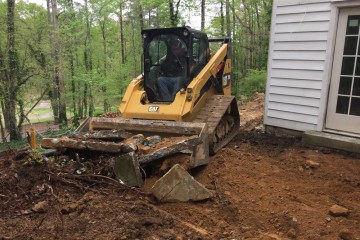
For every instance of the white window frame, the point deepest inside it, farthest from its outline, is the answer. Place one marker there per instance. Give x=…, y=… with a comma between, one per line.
x=336, y=5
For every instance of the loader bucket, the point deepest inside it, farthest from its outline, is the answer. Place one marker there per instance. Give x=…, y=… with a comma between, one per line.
x=200, y=154
x=127, y=138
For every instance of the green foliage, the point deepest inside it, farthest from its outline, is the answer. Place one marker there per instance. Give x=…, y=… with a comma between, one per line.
x=34, y=158
x=94, y=69
x=253, y=82
x=13, y=145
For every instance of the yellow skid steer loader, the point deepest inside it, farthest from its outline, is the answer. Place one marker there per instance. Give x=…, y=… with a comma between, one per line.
x=184, y=92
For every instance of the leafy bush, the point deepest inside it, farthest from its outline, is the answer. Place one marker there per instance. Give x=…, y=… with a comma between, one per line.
x=254, y=81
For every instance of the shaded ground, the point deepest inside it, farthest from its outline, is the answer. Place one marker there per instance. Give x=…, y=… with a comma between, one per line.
x=263, y=188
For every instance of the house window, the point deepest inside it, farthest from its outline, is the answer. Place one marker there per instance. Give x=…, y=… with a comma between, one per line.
x=348, y=101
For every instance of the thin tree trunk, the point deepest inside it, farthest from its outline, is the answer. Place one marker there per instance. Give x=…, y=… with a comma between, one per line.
x=141, y=17
x=10, y=94
x=222, y=20
x=72, y=64
x=54, y=96
x=91, y=105
x=133, y=48
x=3, y=87
x=104, y=87
x=2, y=128
x=3, y=137
x=259, y=38
x=87, y=95
x=203, y=14
x=73, y=84
x=174, y=12
x=157, y=18
x=84, y=108
x=122, y=43
x=251, y=44
x=59, y=78
x=228, y=22
x=235, y=56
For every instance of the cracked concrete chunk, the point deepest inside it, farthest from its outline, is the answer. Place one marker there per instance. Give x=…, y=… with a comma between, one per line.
x=177, y=185
x=127, y=169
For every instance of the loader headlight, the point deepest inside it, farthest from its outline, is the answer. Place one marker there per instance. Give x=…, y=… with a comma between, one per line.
x=144, y=35
x=186, y=33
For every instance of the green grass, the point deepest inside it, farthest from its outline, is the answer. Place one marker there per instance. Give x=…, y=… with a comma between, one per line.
x=14, y=145
x=40, y=111
x=40, y=115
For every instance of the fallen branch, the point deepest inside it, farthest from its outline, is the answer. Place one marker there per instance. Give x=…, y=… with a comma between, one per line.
x=110, y=147
x=112, y=182
x=60, y=179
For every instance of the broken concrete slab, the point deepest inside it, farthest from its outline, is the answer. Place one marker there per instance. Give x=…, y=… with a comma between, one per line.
x=127, y=169
x=102, y=134
x=177, y=185
x=186, y=144
x=332, y=140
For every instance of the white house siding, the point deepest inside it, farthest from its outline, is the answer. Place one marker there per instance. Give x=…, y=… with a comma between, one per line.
x=297, y=60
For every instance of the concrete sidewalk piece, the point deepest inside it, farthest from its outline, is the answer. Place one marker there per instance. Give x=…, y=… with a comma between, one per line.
x=177, y=185
x=330, y=140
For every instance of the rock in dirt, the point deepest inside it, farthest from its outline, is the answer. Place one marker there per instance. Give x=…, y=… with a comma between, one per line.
x=339, y=211
x=69, y=208
x=312, y=164
x=346, y=235
x=151, y=221
x=41, y=207
x=270, y=236
x=72, y=207
x=25, y=212
x=291, y=233
x=178, y=185
x=5, y=238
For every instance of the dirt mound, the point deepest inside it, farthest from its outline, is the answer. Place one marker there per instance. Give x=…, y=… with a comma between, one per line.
x=265, y=187
x=251, y=113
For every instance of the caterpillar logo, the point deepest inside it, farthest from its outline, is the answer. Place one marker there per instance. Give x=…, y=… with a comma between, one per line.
x=153, y=109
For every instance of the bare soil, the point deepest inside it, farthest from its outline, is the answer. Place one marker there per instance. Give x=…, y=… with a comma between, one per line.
x=264, y=188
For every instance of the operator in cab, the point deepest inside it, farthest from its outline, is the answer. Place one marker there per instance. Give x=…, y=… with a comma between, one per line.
x=173, y=70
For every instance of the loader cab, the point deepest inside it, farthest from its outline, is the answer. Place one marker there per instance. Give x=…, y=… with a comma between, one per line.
x=172, y=58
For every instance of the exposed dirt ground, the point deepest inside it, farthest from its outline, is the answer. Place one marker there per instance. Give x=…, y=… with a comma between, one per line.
x=265, y=187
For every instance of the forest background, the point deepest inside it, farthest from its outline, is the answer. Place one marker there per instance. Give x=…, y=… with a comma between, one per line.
x=81, y=55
